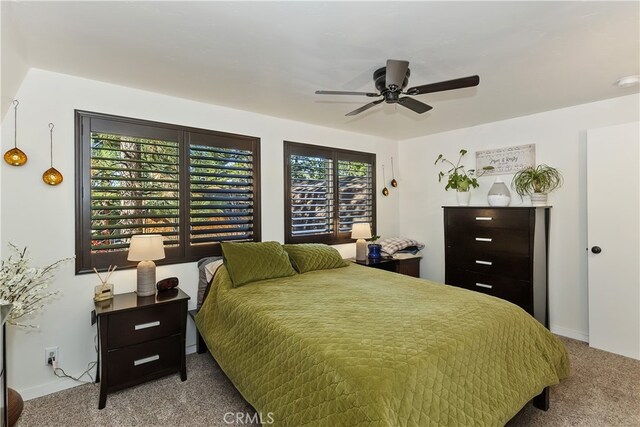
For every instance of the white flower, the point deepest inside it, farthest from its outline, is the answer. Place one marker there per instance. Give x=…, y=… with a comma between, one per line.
x=24, y=286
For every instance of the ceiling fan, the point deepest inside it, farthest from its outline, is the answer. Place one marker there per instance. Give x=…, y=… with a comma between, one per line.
x=392, y=79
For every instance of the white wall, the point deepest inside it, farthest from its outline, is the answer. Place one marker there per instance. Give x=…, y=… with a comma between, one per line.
x=560, y=138
x=12, y=71
x=43, y=218
x=13, y=66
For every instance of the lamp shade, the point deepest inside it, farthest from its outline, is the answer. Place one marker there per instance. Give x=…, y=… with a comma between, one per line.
x=146, y=247
x=361, y=230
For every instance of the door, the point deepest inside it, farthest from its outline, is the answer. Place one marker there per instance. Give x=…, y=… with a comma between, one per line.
x=613, y=217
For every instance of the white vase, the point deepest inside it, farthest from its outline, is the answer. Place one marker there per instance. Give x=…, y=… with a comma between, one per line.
x=463, y=197
x=538, y=199
x=499, y=194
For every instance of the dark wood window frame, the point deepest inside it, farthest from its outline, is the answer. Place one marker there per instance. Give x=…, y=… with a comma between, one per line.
x=87, y=122
x=336, y=155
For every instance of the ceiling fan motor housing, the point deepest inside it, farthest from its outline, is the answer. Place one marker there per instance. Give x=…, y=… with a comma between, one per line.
x=379, y=77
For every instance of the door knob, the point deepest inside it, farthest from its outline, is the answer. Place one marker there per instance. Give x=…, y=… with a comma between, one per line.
x=596, y=249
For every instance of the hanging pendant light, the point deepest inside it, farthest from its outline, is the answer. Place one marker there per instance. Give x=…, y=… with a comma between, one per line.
x=394, y=183
x=52, y=176
x=385, y=190
x=15, y=156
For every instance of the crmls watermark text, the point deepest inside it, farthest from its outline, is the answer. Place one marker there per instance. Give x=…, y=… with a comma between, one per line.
x=247, y=418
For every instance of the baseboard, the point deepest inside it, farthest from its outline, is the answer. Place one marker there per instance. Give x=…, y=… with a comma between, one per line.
x=66, y=383
x=570, y=333
x=44, y=389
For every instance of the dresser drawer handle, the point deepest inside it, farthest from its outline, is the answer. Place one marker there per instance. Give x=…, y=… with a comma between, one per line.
x=147, y=325
x=483, y=218
x=484, y=262
x=146, y=360
x=482, y=285
x=483, y=239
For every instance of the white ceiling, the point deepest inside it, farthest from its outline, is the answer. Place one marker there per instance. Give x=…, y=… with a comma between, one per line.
x=270, y=57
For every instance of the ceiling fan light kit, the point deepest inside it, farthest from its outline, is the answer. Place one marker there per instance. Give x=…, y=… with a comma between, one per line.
x=390, y=81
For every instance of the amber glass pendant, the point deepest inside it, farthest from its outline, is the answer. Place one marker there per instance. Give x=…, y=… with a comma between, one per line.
x=385, y=190
x=15, y=156
x=52, y=176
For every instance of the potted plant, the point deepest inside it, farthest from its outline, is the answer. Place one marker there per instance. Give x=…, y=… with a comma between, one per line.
x=537, y=182
x=460, y=179
x=374, y=248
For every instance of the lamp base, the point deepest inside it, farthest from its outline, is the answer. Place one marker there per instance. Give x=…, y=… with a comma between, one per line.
x=146, y=278
x=361, y=250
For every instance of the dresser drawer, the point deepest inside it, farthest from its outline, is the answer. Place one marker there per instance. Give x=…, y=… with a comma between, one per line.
x=504, y=264
x=516, y=291
x=479, y=218
x=136, y=363
x=136, y=326
x=488, y=241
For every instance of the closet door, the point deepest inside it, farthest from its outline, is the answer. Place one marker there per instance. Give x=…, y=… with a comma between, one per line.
x=613, y=212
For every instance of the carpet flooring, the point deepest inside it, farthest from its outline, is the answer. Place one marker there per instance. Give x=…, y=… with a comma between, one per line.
x=603, y=390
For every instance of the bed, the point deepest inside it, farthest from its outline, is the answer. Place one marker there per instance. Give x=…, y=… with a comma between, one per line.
x=358, y=346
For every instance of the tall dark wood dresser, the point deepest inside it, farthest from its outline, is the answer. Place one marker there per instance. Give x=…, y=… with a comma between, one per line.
x=501, y=252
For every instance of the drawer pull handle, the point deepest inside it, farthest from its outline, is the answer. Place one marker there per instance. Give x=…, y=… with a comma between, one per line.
x=147, y=325
x=483, y=218
x=483, y=239
x=146, y=360
x=484, y=262
x=482, y=285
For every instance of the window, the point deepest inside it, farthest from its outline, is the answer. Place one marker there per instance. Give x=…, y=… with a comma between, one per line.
x=326, y=191
x=195, y=187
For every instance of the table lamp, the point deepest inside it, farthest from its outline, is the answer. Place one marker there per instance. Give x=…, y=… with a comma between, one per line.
x=146, y=248
x=361, y=231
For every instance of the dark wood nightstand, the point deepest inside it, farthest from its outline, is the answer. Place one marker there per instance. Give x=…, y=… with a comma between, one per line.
x=140, y=339
x=406, y=266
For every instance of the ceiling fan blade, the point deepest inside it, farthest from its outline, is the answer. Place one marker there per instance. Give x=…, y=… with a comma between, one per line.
x=415, y=105
x=340, y=92
x=364, y=107
x=395, y=73
x=446, y=85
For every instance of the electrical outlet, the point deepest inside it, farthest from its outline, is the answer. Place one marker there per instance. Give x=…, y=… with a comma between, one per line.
x=51, y=353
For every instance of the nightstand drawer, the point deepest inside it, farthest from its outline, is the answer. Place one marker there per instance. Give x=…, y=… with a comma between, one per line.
x=133, y=364
x=479, y=218
x=516, y=291
x=137, y=326
x=504, y=264
x=489, y=240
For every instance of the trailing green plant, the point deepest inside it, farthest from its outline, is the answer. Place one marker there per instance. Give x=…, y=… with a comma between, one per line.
x=458, y=178
x=374, y=239
x=539, y=179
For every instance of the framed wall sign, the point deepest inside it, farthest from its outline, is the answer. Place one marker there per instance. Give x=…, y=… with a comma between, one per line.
x=507, y=160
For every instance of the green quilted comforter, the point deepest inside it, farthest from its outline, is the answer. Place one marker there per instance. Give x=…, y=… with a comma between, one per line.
x=359, y=346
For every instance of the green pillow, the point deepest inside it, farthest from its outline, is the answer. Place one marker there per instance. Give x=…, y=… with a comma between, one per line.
x=249, y=262
x=314, y=256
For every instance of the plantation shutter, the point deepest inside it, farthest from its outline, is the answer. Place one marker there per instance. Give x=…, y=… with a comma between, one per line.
x=311, y=190
x=355, y=198
x=196, y=188
x=134, y=190
x=222, y=192
x=326, y=191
